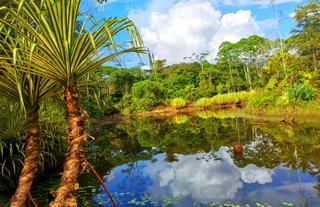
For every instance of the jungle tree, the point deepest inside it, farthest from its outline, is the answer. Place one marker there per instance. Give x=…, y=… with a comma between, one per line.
x=29, y=90
x=307, y=33
x=67, y=56
x=246, y=57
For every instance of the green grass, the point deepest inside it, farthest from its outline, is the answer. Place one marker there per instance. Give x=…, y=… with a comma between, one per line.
x=230, y=98
x=221, y=99
x=204, y=102
x=178, y=103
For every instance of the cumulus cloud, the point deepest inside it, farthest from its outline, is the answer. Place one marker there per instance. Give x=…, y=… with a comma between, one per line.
x=204, y=181
x=302, y=194
x=174, y=30
x=220, y=181
x=254, y=174
x=255, y=2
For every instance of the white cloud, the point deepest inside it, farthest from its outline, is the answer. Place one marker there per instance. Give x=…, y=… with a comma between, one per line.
x=301, y=194
x=216, y=181
x=254, y=174
x=235, y=26
x=174, y=30
x=255, y=2
x=204, y=181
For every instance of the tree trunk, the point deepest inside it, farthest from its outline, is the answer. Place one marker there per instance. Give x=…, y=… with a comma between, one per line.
x=315, y=61
x=76, y=138
x=30, y=166
x=249, y=76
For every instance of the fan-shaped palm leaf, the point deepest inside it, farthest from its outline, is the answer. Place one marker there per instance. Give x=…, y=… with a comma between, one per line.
x=65, y=57
x=29, y=90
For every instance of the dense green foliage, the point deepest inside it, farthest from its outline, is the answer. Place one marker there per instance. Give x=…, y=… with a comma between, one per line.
x=302, y=92
x=143, y=138
x=283, y=72
x=178, y=102
x=262, y=73
x=12, y=140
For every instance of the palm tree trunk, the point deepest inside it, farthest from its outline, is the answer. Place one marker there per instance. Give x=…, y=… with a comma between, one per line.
x=76, y=139
x=30, y=166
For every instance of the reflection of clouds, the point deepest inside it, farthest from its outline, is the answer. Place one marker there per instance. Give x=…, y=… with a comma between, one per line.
x=253, y=174
x=301, y=194
x=296, y=187
x=204, y=181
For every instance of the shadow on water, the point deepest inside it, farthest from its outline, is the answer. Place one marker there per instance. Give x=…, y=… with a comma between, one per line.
x=190, y=161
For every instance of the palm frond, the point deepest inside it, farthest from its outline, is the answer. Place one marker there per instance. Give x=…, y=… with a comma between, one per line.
x=16, y=85
x=61, y=54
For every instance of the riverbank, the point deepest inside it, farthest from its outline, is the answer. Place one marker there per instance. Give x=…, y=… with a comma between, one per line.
x=290, y=114
x=307, y=109
x=286, y=112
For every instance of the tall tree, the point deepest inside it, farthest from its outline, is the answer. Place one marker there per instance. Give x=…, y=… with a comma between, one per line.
x=246, y=56
x=66, y=57
x=307, y=33
x=29, y=90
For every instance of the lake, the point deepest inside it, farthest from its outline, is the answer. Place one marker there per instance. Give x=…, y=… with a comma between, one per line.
x=188, y=160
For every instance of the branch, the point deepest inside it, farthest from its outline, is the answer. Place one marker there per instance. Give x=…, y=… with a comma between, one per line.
x=101, y=182
x=33, y=201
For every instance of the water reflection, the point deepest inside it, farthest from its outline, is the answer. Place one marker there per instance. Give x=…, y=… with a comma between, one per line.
x=169, y=162
x=204, y=181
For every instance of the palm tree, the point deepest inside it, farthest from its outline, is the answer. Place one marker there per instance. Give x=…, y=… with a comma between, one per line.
x=67, y=56
x=29, y=90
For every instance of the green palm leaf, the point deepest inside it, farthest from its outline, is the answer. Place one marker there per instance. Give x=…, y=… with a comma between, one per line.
x=64, y=55
x=55, y=51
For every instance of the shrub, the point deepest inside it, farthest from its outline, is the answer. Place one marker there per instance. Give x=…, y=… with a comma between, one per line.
x=204, y=102
x=219, y=114
x=283, y=100
x=232, y=97
x=224, y=114
x=181, y=119
x=262, y=99
x=272, y=83
x=12, y=139
x=228, y=98
x=188, y=93
x=302, y=92
x=178, y=103
x=146, y=87
x=144, y=95
x=93, y=108
x=205, y=114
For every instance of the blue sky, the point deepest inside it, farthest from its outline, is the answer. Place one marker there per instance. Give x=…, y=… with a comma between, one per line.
x=174, y=29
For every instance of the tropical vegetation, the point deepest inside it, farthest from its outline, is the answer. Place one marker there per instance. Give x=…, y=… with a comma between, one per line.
x=46, y=46
x=259, y=73
x=53, y=62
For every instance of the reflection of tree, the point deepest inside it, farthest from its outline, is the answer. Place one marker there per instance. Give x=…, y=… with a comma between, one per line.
x=171, y=157
x=260, y=152
x=193, y=136
x=113, y=147
x=264, y=146
x=298, y=147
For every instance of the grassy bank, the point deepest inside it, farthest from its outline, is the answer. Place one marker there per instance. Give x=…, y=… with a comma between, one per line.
x=256, y=103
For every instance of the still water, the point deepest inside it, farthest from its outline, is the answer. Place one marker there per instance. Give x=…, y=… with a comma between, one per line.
x=187, y=161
